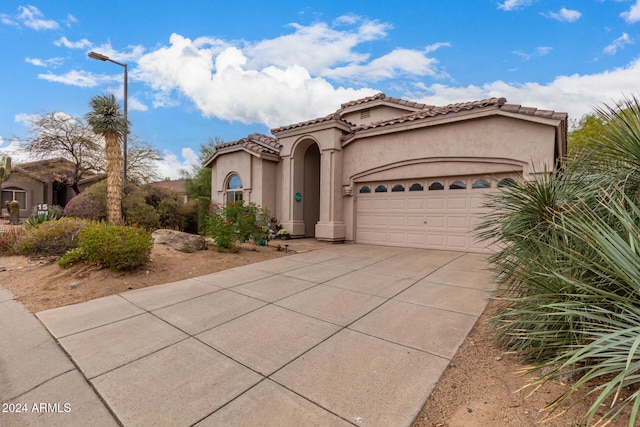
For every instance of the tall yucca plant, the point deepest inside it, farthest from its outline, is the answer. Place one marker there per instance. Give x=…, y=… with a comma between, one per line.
x=605, y=307
x=569, y=266
x=107, y=120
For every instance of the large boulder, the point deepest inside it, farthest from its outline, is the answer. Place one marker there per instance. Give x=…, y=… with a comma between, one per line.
x=183, y=242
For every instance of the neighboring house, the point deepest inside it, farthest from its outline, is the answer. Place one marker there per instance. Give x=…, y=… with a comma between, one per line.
x=176, y=185
x=42, y=182
x=388, y=171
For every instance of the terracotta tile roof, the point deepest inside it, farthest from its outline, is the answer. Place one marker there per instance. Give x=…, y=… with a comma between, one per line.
x=382, y=97
x=256, y=143
x=337, y=116
x=548, y=114
x=330, y=117
x=496, y=103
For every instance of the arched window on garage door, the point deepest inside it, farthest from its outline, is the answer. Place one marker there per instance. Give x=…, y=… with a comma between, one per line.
x=416, y=187
x=365, y=189
x=436, y=186
x=507, y=182
x=381, y=189
x=397, y=187
x=481, y=183
x=457, y=185
x=234, y=189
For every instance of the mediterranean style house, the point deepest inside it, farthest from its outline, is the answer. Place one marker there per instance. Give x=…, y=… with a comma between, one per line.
x=387, y=171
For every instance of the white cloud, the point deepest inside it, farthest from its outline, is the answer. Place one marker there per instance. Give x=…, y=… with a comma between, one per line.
x=633, y=14
x=80, y=44
x=539, y=51
x=225, y=87
x=25, y=119
x=32, y=18
x=514, y=4
x=171, y=165
x=317, y=47
x=393, y=64
x=132, y=54
x=281, y=80
x=575, y=94
x=79, y=78
x=134, y=104
x=565, y=15
x=618, y=43
x=7, y=20
x=70, y=20
x=51, y=62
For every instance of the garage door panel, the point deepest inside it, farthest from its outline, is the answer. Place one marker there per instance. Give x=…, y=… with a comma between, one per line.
x=457, y=203
x=436, y=203
x=415, y=220
x=365, y=219
x=434, y=219
x=397, y=221
x=397, y=238
x=381, y=203
x=457, y=242
x=435, y=240
x=414, y=203
x=415, y=239
x=457, y=222
x=381, y=220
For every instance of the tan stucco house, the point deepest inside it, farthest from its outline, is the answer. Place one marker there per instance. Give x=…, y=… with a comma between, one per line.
x=43, y=182
x=388, y=171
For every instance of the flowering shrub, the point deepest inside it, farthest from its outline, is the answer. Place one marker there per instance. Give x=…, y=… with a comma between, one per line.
x=235, y=223
x=86, y=207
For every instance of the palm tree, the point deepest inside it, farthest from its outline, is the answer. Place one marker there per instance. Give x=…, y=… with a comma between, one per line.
x=106, y=119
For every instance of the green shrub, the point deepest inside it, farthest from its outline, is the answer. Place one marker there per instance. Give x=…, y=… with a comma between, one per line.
x=74, y=256
x=116, y=247
x=51, y=237
x=203, y=207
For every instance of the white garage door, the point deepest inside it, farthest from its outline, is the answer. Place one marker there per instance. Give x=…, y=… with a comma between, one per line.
x=430, y=213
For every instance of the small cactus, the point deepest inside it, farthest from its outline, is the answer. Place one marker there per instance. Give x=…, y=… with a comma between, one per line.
x=5, y=169
x=14, y=212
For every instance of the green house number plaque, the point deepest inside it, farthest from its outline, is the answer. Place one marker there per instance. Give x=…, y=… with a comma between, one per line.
x=298, y=197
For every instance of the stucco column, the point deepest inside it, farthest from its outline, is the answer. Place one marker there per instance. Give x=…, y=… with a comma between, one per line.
x=287, y=206
x=331, y=225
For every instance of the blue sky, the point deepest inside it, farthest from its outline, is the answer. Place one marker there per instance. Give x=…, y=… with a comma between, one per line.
x=201, y=69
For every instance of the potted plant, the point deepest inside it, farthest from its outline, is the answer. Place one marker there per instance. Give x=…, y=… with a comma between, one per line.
x=283, y=234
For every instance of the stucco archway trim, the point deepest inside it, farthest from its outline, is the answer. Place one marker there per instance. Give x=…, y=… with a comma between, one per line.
x=439, y=166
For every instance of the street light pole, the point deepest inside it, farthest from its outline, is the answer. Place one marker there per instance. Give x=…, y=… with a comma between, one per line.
x=101, y=57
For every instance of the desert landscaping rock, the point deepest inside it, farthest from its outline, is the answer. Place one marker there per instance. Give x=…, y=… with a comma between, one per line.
x=180, y=241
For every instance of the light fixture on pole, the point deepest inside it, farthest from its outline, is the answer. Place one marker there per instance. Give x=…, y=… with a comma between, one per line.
x=101, y=57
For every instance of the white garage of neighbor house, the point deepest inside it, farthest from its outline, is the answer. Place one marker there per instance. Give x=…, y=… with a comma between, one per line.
x=388, y=171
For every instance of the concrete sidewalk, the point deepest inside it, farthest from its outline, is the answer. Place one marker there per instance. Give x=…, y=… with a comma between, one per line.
x=344, y=335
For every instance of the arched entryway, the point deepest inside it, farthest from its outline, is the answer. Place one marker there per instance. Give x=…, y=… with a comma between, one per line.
x=311, y=190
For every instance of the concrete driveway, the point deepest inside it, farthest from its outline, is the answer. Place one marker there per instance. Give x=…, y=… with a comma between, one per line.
x=345, y=335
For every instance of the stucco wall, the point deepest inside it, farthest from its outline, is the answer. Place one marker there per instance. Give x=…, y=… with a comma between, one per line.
x=499, y=139
x=35, y=191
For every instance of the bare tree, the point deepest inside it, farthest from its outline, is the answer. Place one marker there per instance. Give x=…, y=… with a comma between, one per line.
x=61, y=135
